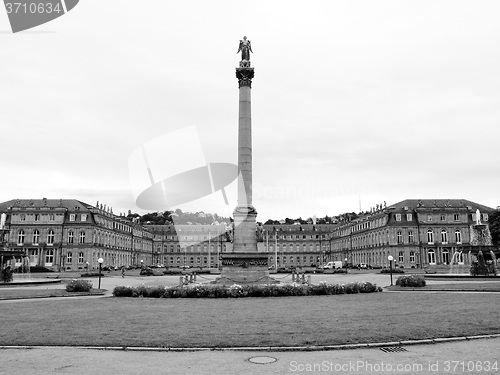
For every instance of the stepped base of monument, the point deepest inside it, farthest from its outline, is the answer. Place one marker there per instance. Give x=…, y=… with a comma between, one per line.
x=245, y=269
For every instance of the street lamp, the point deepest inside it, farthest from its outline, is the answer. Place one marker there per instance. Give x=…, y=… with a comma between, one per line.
x=346, y=266
x=100, y=261
x=87, y=263
x=390, y=258
x=142, y=264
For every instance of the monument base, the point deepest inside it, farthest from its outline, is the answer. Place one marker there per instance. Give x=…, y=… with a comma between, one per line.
x=245, y=269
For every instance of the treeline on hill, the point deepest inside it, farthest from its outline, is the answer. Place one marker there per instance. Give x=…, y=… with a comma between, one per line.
x=177, y=217
x=321, y=220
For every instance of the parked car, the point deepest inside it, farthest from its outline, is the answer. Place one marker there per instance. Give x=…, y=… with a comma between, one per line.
x=333, y=265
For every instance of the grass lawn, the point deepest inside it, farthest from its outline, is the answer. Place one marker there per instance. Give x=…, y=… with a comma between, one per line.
x=477, y=287
x=287, y=321
x=20, y=293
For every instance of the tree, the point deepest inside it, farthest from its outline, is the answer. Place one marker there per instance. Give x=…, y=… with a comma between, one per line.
x=494, y=224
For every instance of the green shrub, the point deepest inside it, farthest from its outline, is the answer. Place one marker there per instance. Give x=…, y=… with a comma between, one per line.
x=7, y=275
x=394, y=270
x=123, y=291
x=411, y=281
x=240, y=291
x=78, y=286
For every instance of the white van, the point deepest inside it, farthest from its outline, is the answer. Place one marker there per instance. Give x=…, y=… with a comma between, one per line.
x=333, y=265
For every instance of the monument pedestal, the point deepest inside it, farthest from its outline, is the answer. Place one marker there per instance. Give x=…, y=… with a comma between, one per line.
x=245, y=268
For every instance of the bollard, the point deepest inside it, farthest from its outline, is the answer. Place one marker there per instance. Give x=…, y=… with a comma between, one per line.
x=309, y=280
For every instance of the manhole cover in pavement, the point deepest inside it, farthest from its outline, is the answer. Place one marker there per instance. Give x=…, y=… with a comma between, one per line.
x=262, y=360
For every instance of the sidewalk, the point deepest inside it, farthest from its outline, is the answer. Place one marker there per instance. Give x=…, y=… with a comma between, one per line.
x=479, y=356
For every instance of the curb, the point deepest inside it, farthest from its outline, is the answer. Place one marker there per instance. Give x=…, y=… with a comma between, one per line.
x=39, y=297
x=438, y=340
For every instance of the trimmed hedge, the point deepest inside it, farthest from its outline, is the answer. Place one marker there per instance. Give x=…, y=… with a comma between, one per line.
x=411, y=281
x=78, y=286
x=394, y=270
x=238, y=291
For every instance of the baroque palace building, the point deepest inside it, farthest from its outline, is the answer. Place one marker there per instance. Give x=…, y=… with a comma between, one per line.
x=418, y=233
x=67, y=234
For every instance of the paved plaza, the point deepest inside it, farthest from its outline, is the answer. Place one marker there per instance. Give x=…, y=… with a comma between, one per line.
x=458, y=356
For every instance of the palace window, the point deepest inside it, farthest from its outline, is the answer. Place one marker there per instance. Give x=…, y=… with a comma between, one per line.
x=409, y=217
x=446, y=257
x=459, y=257
x=485, y=217
x=23, y=217
x=37, y=217
x=430, y=236
x=36, y=237
x=429, y=217
x=82, y=237
x=443, y=217
x=456, y=217
x=398, y=217
x=69, y=258
x=291, y=259
x=401, y=257
x=80, y=257
x=20, y=237
x=444, y=236
x=72, y=217
x=458, y=236
x=284, y=259
x=71, y=237
x=412, y=257
x=431, y=257
x=49, y=257
x=84, y=217
x=411, y=237
x=400, y=237
x=50, y=238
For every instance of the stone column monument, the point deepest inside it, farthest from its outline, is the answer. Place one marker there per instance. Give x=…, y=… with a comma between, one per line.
x=244, y=265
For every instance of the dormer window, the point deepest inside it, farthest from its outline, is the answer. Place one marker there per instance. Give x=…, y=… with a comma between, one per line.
x=72, y=217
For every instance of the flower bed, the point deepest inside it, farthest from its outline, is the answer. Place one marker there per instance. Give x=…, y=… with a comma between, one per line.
x=238, y=291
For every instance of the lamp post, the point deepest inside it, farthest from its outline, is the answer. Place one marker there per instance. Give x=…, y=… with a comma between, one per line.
x=346, y=268
x=390, y=258
x=100, y=260
x=87, y=263
x=142, y=264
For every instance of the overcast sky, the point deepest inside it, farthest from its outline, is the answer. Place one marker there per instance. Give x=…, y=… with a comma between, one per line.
x=353, y=102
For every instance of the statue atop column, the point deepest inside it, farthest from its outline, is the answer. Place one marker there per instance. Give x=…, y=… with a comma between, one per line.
x=478, y=217
x=245, y=47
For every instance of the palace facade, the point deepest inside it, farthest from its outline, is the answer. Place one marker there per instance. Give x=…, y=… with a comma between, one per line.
x=67, y=234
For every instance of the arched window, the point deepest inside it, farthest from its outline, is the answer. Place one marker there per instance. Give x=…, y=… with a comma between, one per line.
x=431, y=257
x=458, y=236
x=400, y=237
x=82, y=237
x=444, y=236
x=430, y=236
x=20, y=237
x=69, y=257
x=71, y=237
x=36, y=237
x=80, y=257
x=446, y=257
x=50, y=238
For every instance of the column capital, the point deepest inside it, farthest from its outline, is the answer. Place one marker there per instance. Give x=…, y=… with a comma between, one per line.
x=245, y=76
